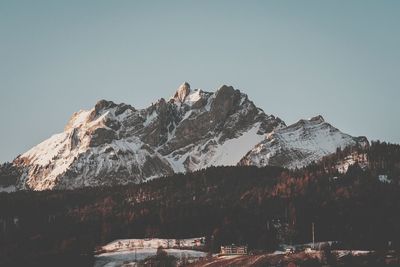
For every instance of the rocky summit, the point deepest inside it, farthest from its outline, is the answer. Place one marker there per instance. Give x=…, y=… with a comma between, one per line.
x=118, y=144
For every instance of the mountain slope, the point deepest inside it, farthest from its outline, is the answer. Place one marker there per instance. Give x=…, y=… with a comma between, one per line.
x=96, y=148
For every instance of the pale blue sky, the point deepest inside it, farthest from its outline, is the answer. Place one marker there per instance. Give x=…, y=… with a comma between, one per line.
x=295, y=59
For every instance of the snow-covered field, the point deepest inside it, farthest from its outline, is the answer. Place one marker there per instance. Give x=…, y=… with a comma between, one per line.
x=123, y=251
x=119, y=258
x=128, y=244
x=8, y=189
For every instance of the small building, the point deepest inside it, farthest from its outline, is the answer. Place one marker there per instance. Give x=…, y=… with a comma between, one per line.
x=233, y=250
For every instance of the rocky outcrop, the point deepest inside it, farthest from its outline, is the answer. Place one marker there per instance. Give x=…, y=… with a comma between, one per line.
x=182, y=92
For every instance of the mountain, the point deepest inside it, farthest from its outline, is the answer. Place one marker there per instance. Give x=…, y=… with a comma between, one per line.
x=300, y=144
x=118, y=144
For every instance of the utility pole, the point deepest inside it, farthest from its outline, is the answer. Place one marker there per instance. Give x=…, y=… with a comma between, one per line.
x=313, y=236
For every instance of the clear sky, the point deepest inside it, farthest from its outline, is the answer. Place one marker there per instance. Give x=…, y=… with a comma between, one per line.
x=295, y=59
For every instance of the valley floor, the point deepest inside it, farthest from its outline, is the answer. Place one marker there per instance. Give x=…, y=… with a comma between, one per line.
x=122, y=258
x=134, y=252
x=343, y=258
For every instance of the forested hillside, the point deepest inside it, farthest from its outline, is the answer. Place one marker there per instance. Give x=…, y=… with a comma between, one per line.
x=261, y=207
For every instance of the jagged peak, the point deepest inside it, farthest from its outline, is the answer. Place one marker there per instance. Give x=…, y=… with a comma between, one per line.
x=312, y=121
x=224, y=88
x=317, y=119
x=182, y=92
x=104, y=104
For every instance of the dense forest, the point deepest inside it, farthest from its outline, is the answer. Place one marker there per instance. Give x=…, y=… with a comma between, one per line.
x=260, y=207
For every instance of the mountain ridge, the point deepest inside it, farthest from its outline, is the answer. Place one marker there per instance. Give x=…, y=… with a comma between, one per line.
x=194, y=129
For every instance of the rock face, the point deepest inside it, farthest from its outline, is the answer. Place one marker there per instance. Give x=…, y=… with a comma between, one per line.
x=182, y=92
x=118, y=144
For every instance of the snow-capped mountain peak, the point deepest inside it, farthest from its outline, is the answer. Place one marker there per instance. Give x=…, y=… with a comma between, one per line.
x=300, y=144
x=118, y=144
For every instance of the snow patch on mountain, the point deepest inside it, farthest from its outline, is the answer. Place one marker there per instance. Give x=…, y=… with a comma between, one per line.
x=360, y=159
x=193, y=97
x=7, y=189
x=230, y=152
x=215, y=152
x=150, y=118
